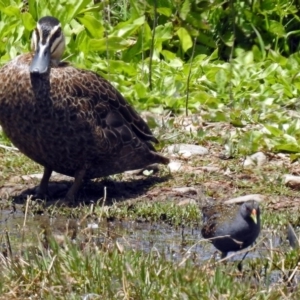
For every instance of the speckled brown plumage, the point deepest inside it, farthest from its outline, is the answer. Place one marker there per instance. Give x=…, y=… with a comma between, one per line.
x=231, y=227
x=71, y=121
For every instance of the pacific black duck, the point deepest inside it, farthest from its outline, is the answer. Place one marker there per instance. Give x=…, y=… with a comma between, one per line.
x=69, y=120
x=231, y=227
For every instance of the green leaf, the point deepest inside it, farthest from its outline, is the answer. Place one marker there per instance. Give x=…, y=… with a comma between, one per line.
x=276, y=28
x=287, y=147
x=185, y=39
x=142, y=44
x=163, y=32
x=269, y=70
x=166, y=11
x=94, y=26
x=121, y=67
x=168, y=55
x=82, y=42
x=11, y=11
x=126, y=29
x=260, y=41
x=185, y=9
x=274, y=130
x=294, y=157
x=221, y=79
x=110, y=43
x=73, y=8
x=207, y=40
x=28, y=21
x=141, y=90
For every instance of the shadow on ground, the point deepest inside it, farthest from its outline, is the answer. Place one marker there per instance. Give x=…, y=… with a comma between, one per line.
x=90, y=191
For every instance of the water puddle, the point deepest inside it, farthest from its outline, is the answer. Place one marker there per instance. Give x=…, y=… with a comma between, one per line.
x=172, y=244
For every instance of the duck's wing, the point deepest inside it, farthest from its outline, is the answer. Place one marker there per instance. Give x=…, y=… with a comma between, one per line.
x=116, y=123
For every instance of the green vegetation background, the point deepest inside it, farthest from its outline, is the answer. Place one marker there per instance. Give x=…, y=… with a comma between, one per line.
x=232, y=61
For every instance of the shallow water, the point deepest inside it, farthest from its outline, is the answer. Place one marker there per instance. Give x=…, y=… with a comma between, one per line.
x=174, y=244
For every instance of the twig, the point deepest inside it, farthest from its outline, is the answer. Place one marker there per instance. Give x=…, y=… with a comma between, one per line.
x=152, y=44
x=25, y=217
x=232, y=52
x=8, y=244
x=188, y=79
x=26, y=211
x=104, y=199
x=9, y=148
x=51, y=264
x=240, y=252
x=293, y=274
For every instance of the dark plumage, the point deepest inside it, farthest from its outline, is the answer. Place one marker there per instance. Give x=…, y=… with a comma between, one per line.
x=231, y=227
x=69, y=120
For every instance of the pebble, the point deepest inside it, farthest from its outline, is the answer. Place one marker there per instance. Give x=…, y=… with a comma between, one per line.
x=174, y=166
x=185, y=190
x=187, y=150
x=242, y=199
x=256, y=159
x=292, y=181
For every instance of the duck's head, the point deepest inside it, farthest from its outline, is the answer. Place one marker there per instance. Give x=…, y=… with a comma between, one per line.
x=48, y=44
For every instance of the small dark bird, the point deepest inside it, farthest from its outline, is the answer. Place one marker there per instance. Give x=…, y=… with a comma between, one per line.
x=231, y=227
x=69, y=120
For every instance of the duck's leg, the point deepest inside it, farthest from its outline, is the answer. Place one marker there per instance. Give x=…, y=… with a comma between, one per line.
x=76, y=185
x=42, y=190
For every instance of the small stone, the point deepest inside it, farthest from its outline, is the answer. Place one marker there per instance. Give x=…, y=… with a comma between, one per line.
x=292, y=181
x=187, y=154
x=185, y=190
x=20, y=178
x=174, y=166
x=227, y=172
x=187, y=150
x=92, y=226
x=242, y=199
x=59, y=176
x=256, y=159
x=90, y=297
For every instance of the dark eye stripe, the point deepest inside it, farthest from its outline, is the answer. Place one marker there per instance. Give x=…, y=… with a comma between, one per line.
x=56, y=35
x=53, y=50
x=37, y=35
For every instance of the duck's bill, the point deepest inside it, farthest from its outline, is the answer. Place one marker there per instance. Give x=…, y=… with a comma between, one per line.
x=254, y=215
x=41, y=60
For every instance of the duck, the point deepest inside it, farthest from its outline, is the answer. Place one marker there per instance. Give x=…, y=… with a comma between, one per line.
x=70, y=120
x=231, y=227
